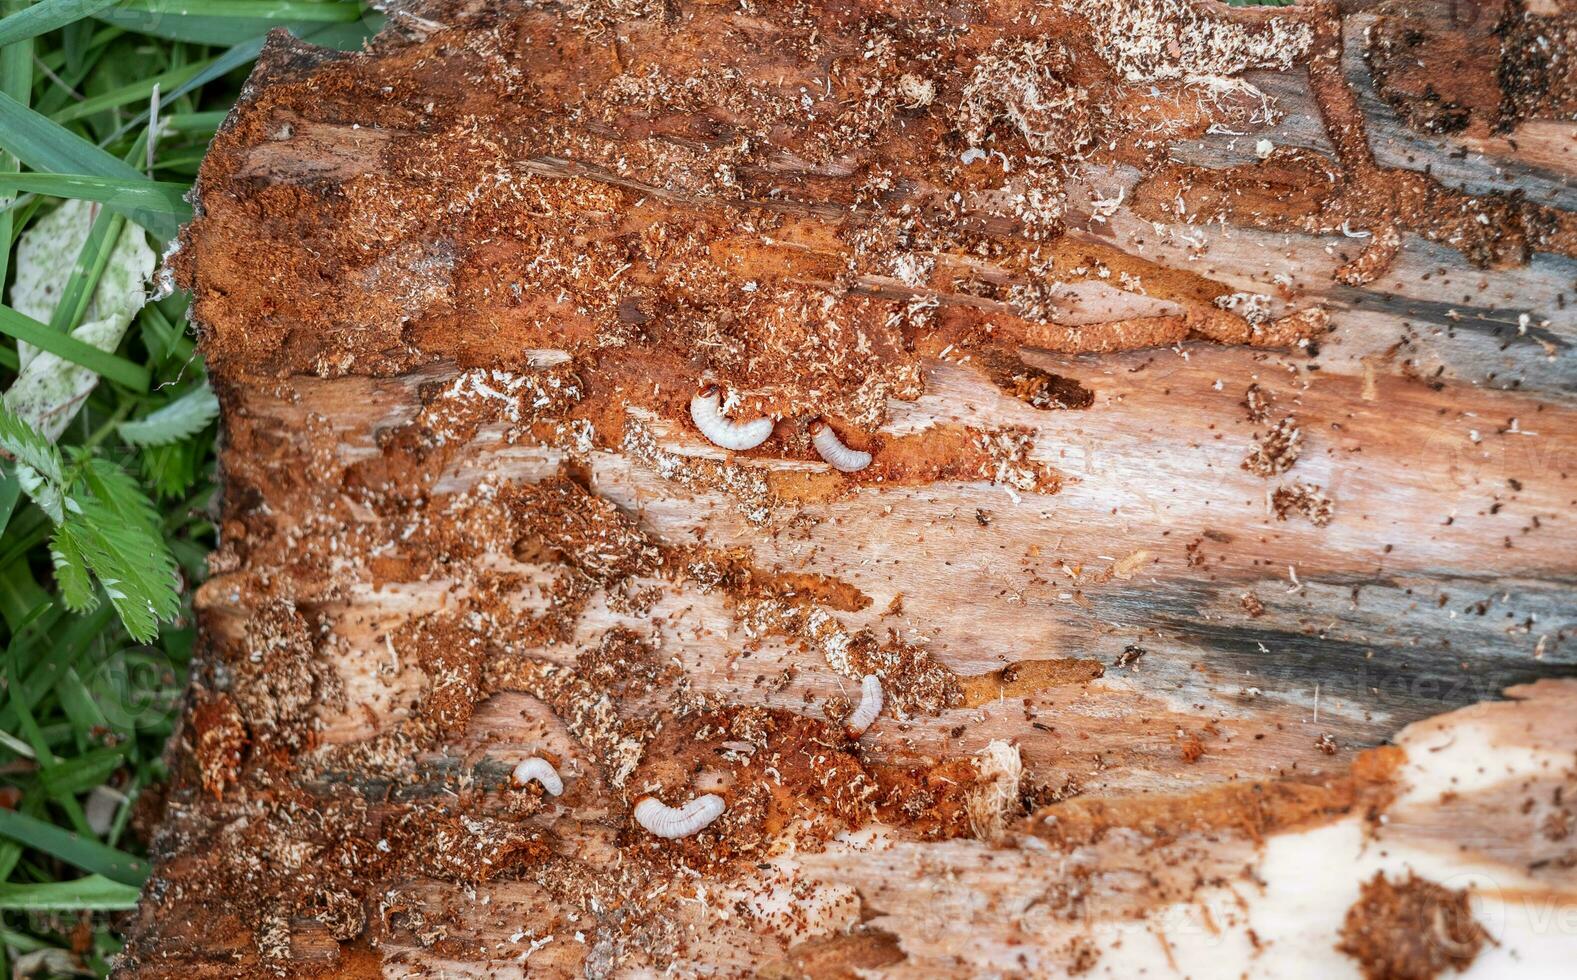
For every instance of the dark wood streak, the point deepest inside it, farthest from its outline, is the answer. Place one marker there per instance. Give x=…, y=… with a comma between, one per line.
x=1500, y=323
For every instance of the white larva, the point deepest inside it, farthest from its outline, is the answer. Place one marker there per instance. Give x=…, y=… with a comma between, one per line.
x=870, y=706
x=706, y=409
x=542, y=771
x=834, y=451
x=670, y=822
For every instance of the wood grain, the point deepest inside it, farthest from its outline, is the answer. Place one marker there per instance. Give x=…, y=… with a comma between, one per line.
x=456, y=292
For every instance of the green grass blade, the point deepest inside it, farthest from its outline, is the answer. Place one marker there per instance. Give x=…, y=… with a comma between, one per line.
x=20, y=594
x=111, y=366
x=81, y=774
x=16, y=82
x=47, y=146
x=55, y=58
x=238, y=56
x=10, y=493
x=86, y=272
x=163, y=338
x=194, y=122
x=150, y=195
x=29, y=530
x=184, y=164
x=137, y=91
x=63, y=87
x=78, y=633
x=47, y=16
x=42, y=740
x=95, y=892
x=95, y=765
x=76, y=38
x=224, y=21
x=22, y=212
x=21, y=940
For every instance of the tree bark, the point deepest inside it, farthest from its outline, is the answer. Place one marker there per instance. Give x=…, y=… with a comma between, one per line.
x=1214, y=555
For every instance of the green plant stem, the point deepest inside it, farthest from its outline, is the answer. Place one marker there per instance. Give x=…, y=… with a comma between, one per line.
x=99, y=434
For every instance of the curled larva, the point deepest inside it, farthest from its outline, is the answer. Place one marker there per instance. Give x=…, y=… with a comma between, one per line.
x=834, y=451
x=870, y=705
x=672, y=822
x=706, y=408
x=542, y=771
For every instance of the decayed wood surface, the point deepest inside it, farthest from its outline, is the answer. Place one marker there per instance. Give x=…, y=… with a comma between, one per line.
x=1216, y=555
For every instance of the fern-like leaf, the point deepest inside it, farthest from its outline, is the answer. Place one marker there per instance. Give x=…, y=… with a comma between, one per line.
x=45, y=493
x=130, y=560
x=29, y=447
x=180, y=419
x=116, y=489
x=71, y=571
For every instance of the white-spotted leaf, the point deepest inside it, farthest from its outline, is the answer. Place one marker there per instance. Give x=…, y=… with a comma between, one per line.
x=48, y=390
x=184, y=417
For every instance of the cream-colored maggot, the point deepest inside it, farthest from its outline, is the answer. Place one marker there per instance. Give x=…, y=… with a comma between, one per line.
x=706, y=410
x=871, y=701
x=542, y=771
x=671, y=823
x=832, y=449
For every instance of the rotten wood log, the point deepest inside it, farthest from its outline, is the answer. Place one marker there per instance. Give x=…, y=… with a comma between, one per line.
x=1215, y=556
